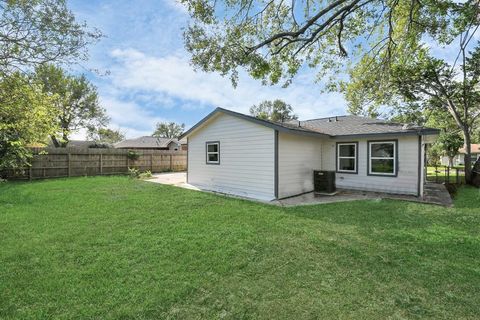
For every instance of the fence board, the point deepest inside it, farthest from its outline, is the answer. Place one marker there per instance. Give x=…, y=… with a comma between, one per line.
x=72, y=162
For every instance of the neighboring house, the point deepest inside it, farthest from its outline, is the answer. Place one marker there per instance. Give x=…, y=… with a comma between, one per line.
x=150, y=143
x=80, y=144
x=459, y=159
x=237, y=154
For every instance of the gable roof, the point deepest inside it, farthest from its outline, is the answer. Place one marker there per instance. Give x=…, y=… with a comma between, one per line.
x=145, y=142
x=332, y=127
x=474, y=147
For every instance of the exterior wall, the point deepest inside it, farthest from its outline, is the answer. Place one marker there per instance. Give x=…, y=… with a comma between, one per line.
x=298, y=156
x=246, y=158
x=406, y=181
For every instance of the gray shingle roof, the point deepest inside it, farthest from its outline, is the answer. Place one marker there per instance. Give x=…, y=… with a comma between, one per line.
x=145, y=142
x=333, y=127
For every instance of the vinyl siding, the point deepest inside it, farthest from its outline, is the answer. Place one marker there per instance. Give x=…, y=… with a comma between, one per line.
x=298, y=157
x=246, y=158
x=406, y=181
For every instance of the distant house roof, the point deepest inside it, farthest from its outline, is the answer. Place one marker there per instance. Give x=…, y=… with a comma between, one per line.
x=146, y=142
x=475, y=148
x=82, y=144
x=339, y=126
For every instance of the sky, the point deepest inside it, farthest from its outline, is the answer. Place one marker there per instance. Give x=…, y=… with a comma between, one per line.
x=144, y=74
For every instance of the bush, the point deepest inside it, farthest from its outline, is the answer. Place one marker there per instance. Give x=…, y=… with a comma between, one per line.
x=132, y=155
x=137, y=174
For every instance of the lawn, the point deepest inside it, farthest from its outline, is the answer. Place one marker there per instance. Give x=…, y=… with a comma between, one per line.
x=440, y=175
x=115, y=248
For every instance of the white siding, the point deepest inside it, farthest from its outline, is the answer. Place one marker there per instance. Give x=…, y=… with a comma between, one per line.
x=298, y=156
x=246, y=158
x=406, y=182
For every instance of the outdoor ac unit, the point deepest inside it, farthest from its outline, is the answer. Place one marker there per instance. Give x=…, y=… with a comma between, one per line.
x=324, y=182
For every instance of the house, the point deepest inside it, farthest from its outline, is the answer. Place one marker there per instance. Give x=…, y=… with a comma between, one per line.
x=459, y=159
x=233, y=153
x=152, y=143
x=79, y=144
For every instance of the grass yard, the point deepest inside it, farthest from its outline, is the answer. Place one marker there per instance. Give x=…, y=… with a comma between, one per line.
x=115, y=248
x=440, y=176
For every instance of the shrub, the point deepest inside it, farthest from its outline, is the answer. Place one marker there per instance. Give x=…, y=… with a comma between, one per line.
x=132, y=155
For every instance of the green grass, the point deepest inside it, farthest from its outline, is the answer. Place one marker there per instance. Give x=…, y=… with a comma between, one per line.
x=440, y=175
x=115, y=248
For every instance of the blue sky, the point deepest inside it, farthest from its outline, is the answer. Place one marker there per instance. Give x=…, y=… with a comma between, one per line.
x=150, y=77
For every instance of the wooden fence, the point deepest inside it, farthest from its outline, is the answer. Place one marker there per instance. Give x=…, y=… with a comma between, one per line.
x=74, y=162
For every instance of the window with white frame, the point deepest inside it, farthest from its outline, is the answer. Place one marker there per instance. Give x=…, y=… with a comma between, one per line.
x=382, y=158
x=347, y=157
x=213, y=152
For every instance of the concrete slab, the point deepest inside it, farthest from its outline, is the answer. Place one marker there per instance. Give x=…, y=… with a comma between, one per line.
x=436, y=194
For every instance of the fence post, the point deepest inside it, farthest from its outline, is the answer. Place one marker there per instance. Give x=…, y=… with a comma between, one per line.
x=101, y=163
x=457, y=178
x=151, y=162
x=30, y=172
x=69, y=165
x=171, y=162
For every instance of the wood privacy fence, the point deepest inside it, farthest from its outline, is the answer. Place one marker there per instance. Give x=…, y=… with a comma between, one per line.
x=74, y=162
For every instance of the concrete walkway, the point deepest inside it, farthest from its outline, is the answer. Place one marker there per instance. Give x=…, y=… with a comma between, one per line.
x=434, y=193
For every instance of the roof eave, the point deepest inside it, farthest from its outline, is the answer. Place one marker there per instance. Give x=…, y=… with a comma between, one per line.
x=421, y=132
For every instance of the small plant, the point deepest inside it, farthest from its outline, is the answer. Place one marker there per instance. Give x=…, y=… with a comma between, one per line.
x=145, y=175
x=133, y=173
x=132, y=155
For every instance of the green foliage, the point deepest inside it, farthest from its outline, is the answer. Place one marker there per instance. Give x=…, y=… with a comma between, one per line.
x=39, y=31
x=74, y=248
x=434, y=154
x=26, y=117
x=272, y=40
x=135, y=173
x=105, y=135
x=76, y=100
x=133, y=155
x=449, y=143
x=276, y=110
x=168, y=130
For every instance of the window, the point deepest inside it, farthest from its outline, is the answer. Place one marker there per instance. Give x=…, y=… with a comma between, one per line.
x=382, y=158
x=347, y=157
x=213, y=152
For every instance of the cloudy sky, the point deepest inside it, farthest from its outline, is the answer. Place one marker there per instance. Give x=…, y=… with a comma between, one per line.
x=150, y=78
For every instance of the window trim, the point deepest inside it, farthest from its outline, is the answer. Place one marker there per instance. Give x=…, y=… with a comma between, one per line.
x=337, y=157
x=207, y=153
x=394, y=158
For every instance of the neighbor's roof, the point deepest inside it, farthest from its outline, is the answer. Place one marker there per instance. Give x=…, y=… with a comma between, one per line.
x=145, y=142
x=475, y=148
x=333, y=127
x=75, y=144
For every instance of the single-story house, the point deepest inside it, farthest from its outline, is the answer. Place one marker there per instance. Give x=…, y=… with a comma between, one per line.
x=459, y=159
x=152, y=143
x=237, y=154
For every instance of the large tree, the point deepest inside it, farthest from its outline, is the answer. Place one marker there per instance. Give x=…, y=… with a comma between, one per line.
x=276, y=110
x=27, y=116
x=272, y=40
x=34, y=32
x=105, y=135
x=76, y=100
x=168, y=130
x=449, y=143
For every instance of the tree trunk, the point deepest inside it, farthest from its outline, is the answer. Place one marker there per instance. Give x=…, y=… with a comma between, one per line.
x=468, y=156
x=450, y=161
x=56, y=144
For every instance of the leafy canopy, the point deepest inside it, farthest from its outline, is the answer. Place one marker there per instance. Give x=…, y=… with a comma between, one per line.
x=168, y=130
x=272, y=40
x=76, y=100
x=105, y=135
x=276, y=110
x=27, y=116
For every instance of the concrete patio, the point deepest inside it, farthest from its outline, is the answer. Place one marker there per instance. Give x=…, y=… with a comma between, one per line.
x=434, y=193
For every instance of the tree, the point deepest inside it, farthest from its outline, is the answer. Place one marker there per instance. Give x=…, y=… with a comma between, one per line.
x=105, y=135
x=35, y=32
x=272, y=40
x=432, y=85
x=27, y=116
x=449, y=143
x=276, y=110
x=76, y=100
x=168, y=130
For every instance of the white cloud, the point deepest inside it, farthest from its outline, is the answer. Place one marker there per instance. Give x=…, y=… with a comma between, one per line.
x=172, y=76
